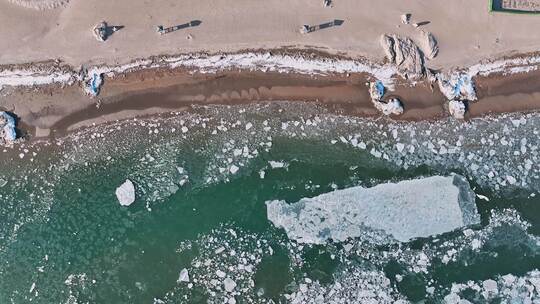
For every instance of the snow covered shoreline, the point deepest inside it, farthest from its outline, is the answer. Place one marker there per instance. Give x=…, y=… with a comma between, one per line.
x=247, y=61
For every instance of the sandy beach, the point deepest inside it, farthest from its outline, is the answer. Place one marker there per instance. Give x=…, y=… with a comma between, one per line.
x=466, y=31
x=467, y=34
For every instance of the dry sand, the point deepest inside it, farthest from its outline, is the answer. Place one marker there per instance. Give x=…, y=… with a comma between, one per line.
x=466, y=31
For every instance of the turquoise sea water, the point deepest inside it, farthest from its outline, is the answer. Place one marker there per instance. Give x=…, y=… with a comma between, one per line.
x=64, y=238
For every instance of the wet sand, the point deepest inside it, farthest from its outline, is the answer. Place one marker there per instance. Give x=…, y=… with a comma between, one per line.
x=53, y=111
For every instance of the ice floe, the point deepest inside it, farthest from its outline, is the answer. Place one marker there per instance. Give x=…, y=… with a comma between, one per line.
x=401, y=211
x=125, y=193
x=506, y=288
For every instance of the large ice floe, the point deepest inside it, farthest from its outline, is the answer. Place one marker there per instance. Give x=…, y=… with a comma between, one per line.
x=384, y=213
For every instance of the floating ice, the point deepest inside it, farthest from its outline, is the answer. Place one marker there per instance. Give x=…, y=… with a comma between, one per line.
x=401, y=211
x=184, y=276
x=126, y=193
x=229, y=284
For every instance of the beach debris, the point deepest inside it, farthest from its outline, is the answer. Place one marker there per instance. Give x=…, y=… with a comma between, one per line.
x=404, y=53
x=406, y=18
x=92, y=84
x=8, y=133
x=125, y=193
x=382, y=214
x=392, y=106
x=457, y=108
x=102, y=31
x=327, y=3
x=428, y=44
x=184, y=276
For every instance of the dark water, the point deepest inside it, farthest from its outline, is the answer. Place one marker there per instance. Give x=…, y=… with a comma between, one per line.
x=65, y=238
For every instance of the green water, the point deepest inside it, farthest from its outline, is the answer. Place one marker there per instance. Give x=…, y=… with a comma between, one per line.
x=65, y=238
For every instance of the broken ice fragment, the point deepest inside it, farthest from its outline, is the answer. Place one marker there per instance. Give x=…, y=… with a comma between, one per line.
x=184, y=276
x=126, y=193
x=457, y=108
x=229, y=284
x=233, y=169
x=387, y=212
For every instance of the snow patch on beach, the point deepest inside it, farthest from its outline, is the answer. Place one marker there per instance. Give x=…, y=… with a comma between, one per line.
x=29, y=77
x=505, y=66
x=404, y=211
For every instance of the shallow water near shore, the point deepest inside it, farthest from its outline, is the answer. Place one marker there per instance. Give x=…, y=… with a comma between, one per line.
x=202, y=179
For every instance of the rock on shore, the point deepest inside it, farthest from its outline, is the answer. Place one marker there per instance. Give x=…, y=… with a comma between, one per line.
x=404, y=53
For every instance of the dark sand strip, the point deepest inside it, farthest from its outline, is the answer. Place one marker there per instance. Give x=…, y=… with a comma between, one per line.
x=150, y=92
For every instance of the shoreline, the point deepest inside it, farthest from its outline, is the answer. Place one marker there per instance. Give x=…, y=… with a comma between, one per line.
x=163, y=84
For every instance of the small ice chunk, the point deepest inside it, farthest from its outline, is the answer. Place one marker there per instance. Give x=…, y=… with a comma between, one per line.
x=490, y=286
x=229, y=284
x=233, y=169
x=406, y=18
x=457, y=108
x=391, y=107
x=277, y=164
x=126, y=193
x=483, y=197
x=220, y=273
x=184, y=276
x=399, y=211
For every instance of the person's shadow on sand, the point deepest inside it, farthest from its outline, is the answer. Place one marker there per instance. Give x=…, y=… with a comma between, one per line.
x=192, y=23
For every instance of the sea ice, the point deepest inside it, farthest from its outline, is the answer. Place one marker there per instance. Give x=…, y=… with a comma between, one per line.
x=184, y=276
x=126, y=193
x=229, y=284
x=384, y=213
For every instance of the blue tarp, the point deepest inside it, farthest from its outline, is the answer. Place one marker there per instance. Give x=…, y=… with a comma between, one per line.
x=380, y=87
